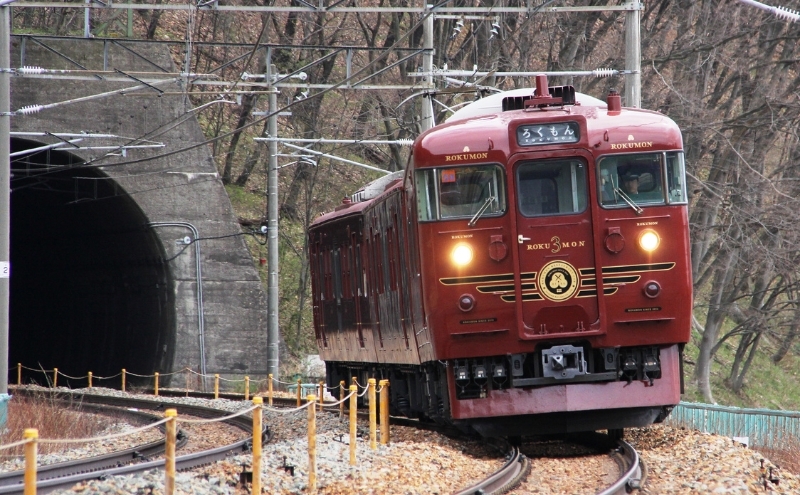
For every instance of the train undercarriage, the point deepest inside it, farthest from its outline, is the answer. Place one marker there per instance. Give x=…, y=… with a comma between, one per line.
x=511, y=393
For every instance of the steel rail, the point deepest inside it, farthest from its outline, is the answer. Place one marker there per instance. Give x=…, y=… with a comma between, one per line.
x=511, y=474
x=105, y=461
x=631, y=467
x=82, y=470
x=504, y=479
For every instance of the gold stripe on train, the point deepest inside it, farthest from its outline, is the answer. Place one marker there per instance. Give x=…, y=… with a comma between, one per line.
x=486, y=279
x=494, y=289
x=648, y=267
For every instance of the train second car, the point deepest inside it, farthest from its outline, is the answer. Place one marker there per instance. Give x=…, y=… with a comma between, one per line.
x=528, y=273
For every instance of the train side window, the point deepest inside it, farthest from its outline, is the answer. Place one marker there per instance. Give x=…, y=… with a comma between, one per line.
x=460, y=192
x=336, y=261
x=636, y=177
x=676, y=178
x=426, y=194
x=552, y=187
x=328, y=294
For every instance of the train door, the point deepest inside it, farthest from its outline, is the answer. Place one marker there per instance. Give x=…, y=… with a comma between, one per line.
x=555, y=291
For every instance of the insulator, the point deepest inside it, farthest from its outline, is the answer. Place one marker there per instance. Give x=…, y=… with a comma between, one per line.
x=28, y=69
x=603, y=72
x=787, y=14
x=29, y=109
x=405, y=142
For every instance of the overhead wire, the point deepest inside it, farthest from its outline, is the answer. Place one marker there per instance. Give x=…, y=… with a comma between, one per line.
x=383, y=54
x=97, y=162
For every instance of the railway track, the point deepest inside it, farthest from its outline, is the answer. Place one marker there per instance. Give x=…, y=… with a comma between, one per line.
x=518, y=466
x=9, y=481
x=631, y=470
x=509, y=476
x=64, y=475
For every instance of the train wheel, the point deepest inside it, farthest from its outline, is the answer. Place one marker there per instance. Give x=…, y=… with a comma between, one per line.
x=616, y=434
x=515, y=440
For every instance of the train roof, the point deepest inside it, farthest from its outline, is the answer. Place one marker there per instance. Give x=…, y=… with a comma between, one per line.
x=494, y=104
x=359, y=200
x=483, y=126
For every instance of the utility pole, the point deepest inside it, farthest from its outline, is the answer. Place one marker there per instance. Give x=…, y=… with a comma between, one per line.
x=633, y=55
x=273, y=332
x=5, y=200
x=426, y=118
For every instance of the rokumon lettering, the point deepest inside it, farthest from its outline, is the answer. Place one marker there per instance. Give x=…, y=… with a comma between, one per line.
x=628, y=146
x=466, y=156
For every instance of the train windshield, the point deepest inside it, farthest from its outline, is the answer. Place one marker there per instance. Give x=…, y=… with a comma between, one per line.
x=642, y=179
x=552, y=187
x=460, y=192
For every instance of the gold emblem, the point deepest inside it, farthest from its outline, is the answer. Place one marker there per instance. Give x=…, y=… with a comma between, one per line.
x=558, y=281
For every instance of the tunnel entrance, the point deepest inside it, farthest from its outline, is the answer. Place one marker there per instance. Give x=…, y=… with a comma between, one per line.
x=89, y=287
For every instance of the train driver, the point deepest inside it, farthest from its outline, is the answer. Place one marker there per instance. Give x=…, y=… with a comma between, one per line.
x=630, y=184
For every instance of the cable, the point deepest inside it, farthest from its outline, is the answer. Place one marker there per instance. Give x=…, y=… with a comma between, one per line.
x=253, y=233
x=383, y=54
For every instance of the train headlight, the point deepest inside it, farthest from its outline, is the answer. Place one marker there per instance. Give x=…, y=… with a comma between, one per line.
x=461, y=254
x=649, y=240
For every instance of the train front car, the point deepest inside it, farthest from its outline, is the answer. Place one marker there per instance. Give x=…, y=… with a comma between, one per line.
x=554, y=260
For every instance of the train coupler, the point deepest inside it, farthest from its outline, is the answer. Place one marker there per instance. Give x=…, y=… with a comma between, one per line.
x=563, y=361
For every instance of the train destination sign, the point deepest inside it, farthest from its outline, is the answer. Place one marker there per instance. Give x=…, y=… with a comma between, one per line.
x=556, y=133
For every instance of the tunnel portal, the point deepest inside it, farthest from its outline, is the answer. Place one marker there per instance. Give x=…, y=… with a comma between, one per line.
x=102, y=274
x=90, y=289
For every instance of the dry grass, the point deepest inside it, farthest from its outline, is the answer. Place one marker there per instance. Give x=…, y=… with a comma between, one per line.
x=52, y=418
x=786, y=456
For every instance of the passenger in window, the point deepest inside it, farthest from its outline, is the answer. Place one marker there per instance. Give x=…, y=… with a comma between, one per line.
x=606, y=186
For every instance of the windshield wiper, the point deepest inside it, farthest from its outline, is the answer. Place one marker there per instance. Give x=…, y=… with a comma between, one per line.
x=481, y=211
x=628, y=200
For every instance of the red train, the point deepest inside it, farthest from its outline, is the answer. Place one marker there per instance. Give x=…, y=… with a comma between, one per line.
x=528, y=273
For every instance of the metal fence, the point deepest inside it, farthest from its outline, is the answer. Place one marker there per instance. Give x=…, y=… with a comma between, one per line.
x=762, y=427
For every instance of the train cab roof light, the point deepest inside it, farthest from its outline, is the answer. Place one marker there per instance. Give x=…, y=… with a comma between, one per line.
x=614, y=102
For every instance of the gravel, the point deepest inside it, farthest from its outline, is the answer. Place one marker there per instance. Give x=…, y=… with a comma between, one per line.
x=419, y=462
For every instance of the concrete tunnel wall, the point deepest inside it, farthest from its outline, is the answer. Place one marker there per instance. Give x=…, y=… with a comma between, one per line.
x=98, y=281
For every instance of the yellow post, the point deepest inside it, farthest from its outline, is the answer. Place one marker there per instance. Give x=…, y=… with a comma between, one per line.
x=355, y=382
x=321, y=394
x=312, y=444
x=353, y=423
x=246, y=388
x=216, y=385
x=123, y=379
x=55, y=377
x=341, y=399
x=169, y=453
x=257, y=417
x=19, y=373
x=269, y=390
x=155, y=387
x=32, y=435
x=384, y=411
x=372, y=414
x=299, y=383
x=90, y=379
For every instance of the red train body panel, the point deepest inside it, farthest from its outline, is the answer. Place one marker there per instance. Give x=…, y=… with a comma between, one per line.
x=527, y=273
